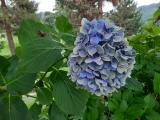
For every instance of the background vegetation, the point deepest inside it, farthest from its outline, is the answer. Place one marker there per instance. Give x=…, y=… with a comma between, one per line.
x=34, y=83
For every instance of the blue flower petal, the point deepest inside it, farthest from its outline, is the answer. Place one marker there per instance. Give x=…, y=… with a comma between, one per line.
x=102, y=59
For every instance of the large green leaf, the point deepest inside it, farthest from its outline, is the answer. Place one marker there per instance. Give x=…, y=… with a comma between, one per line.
x=55, y=113
x=21, y=83
x=156, y=83
x=69, y=99
x=30, y=30
x=17, y=81
x=13, y=108
x=63, y=25
x=44, y=96
x=40, y=55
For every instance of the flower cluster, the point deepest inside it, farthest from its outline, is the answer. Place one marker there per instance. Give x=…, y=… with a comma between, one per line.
x=102, y=58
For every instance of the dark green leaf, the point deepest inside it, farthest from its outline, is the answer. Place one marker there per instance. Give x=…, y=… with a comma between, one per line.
x=17, y=81
x=67, y=97
x=4, y=64
x=134, y=84
x=40, y=55
x=21, y=83
x=13, y=108
x=44, y=96
x=56, y=114
x=35, y=111
x=92, y=111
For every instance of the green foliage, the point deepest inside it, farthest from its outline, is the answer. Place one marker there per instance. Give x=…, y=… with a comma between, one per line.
x=63, y=24
x=44, y=96
x=66, y=95
x=35, y=111
x=156, y=83
x=56, y=114
x=13, y=108
x=39, y=72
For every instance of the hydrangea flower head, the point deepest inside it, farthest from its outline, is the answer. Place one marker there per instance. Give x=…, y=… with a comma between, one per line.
x=102, y=58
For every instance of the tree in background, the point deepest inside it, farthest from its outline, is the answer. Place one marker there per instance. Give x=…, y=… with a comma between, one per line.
x=13, y=12
x=77, y=9
x=127, y=16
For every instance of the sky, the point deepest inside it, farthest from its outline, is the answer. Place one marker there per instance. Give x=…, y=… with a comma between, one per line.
x=48, y=5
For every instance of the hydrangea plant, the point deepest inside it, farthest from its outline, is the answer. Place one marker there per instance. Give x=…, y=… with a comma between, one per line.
x=102, y=58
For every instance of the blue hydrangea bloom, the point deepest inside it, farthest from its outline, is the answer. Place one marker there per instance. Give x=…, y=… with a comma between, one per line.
x=102, y=58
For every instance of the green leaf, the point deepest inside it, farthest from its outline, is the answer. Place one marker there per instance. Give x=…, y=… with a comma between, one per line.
x=91, y=114
x=17, y=81
x=68, y=39
x=28, y=33
x=92, y=111
x=127, y=95
x=113, y=102
x=56, y=114
x=134, y=84
x=123, y=106
x=150, y=101
x=152, y=115
x=63, y=25
x=156, y=83
x=40, y=55
x=134, y=111
x=44, y=96
x=21, y=83
x=13, y=108
x=35, y=111
x=4, y=64
x=67, y=97
x=118, y=115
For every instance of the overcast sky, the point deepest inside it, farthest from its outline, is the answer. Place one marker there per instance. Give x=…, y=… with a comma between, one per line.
x=48, y=5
